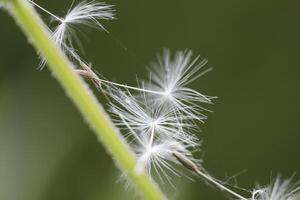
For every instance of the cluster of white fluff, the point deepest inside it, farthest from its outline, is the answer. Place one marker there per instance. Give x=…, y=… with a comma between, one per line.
x=170, y=76
x=279, y=189
x=84, y=15
x=158, y=118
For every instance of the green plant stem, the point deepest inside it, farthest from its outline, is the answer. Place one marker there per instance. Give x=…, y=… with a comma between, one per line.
x=37, y=33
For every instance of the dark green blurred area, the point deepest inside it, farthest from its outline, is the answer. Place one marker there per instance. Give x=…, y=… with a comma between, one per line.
x=48, y=152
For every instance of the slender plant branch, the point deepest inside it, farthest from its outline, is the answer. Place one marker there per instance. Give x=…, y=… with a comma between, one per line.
x=62, y=69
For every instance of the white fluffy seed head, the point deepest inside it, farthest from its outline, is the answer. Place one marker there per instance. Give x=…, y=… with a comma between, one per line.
x=159, y=160
x=143, y=119
x=279, y=189
x=170, y=76
x=158, y=120
x=154, y=133
x=85, y=14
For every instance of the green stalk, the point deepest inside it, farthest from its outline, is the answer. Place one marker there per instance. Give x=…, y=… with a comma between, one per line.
x=37, y=33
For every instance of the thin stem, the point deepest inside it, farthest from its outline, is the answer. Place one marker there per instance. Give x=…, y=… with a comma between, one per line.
x=62, y=69
x=46, y=11
x=189, y=164
x=219, y=185
x=132, y=88
x=88, y=73
x=151, y=137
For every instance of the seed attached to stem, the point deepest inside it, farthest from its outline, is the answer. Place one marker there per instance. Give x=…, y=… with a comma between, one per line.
x=89, y=74
x=186, y=162
x=189, y=164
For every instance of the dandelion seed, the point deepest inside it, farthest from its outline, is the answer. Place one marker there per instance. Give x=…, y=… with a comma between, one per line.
x=280, y=189
x=141, y=118
x=170, y=77
x=158, y=158
x=167, y=87
x=88, y=73
x=85, y=14
x=153, y=133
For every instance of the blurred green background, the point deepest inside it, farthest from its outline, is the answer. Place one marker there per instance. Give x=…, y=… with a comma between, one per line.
x=48, y=152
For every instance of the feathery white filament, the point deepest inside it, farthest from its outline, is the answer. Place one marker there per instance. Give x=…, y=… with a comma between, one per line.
x=83, y=14
x=280, y=189
x=154, y=133
x=170, y=76
x=158, y=157
x=139, y=117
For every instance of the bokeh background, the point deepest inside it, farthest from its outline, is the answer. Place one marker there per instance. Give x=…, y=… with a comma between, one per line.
x=48, y=152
